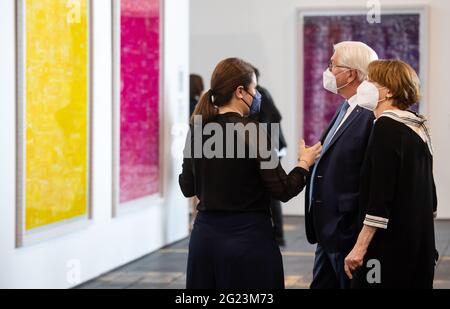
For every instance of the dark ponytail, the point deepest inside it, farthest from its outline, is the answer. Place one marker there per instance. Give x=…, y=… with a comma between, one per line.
x=228, y=75
x=205, y=108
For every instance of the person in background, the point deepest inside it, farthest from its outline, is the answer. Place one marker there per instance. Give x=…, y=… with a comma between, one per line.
x=331, y=208
x=232, y=245
x=398, y=195
x=269, y=114
x=196, y=88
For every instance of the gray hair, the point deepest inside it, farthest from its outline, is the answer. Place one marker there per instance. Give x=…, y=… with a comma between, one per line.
x=355, y=55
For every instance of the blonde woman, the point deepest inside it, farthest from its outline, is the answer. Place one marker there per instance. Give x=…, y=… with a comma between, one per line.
x=396, y=246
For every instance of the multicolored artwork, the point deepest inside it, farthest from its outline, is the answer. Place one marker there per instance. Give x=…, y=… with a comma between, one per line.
x=397, y=36
x=54, y=112
x=139, y=98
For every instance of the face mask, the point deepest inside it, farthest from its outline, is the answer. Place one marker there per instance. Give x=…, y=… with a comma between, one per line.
x=330, y=82
x=367, y=95
x=255, y=108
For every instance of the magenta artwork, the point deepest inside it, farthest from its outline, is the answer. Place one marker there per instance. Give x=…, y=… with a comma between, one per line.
x=139, y=98
x=396, y=37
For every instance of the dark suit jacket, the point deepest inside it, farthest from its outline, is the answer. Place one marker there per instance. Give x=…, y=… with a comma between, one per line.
x=332, y=218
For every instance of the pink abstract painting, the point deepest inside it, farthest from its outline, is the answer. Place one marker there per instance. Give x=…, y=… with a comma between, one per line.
x=139, y=98
x=396, y=37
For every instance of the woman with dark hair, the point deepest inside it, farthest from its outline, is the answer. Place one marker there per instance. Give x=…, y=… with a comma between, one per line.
x=196, y=88
x=396, y=246
x=232, y=243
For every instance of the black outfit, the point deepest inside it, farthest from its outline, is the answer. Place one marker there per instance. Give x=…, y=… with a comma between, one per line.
x=270, y=114
x=398, y=196
x=331, y=214
x=192, y=104
x=232, y=243
x=234, y=251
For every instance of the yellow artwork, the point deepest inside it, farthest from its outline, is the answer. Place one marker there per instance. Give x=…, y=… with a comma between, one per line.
x=56, y=111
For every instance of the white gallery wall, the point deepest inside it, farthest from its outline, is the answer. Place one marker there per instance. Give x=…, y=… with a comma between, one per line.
x=264, y=32
x=106, y=242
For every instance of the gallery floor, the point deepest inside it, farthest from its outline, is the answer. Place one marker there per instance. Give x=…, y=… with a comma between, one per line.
x=166, y=268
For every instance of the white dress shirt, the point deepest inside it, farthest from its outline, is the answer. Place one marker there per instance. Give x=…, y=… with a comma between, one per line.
x=352, y=102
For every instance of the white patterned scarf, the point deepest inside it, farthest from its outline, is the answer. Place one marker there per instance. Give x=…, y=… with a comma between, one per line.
x=415, y=122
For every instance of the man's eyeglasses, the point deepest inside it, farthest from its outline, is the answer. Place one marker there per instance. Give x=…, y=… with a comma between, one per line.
x=331, y=66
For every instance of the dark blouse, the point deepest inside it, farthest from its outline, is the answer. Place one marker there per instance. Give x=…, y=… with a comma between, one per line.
x=398, y=196
x=237, y=184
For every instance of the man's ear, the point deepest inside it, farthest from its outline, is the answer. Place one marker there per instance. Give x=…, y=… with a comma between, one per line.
x=353, y=76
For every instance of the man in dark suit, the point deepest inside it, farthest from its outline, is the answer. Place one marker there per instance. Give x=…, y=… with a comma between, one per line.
x=331, y=208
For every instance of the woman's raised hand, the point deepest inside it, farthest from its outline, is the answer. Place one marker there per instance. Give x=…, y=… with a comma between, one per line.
x=308, y=155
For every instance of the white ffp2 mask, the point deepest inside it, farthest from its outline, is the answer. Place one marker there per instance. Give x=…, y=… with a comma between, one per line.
x=367, y=95
x=330, y=82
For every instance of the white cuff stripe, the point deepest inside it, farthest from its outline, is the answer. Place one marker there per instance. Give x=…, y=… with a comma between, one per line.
x=379, y=219
x=375, y=221
x=375, y=224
